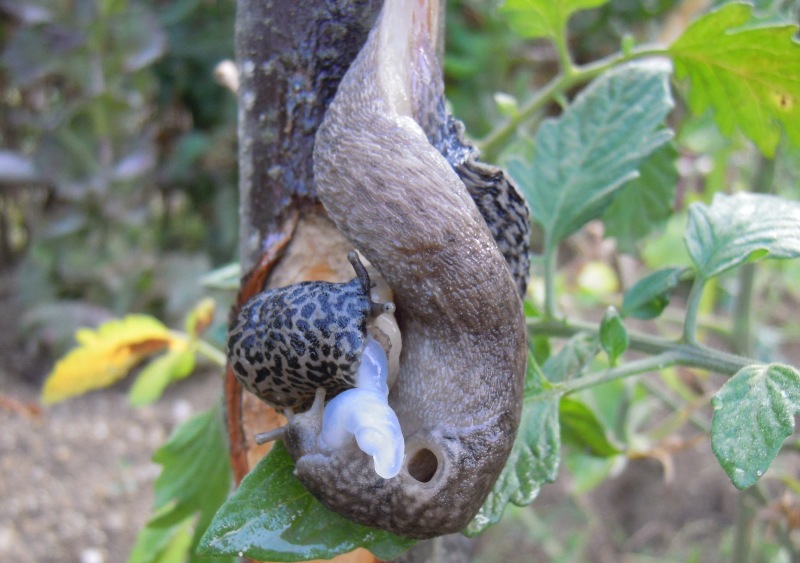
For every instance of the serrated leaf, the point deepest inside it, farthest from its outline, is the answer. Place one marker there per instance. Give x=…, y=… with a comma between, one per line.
x=649, y=296
x=534, y=457
x=739, y=228
x=753, y=414
x=162, y=545
x=581, y=428
x=750, y=77
x=613, y=335
x=644, y=204
x=159, y=373
x=576, y=354
x=106, y=355
x=273, y=517
x=584, y=157
x=194, y=481
x=543, y=18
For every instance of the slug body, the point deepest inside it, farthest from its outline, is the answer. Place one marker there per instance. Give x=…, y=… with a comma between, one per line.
x=458, y=394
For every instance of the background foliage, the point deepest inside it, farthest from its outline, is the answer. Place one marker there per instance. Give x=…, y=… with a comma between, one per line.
x=118, y=190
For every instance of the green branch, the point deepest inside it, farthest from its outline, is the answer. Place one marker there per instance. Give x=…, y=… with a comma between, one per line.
x=211, y=353
x=665, y=353
x=492, y=142
x=692, y=308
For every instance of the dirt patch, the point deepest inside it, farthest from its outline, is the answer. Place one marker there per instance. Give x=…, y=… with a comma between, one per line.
x=76, y=483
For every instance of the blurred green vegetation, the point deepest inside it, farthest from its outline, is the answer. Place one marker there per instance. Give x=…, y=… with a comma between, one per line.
x=120, y=187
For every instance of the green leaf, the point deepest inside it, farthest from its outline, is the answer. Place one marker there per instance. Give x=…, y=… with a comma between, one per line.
x=644, y=204
x=273, y=517
x=576, y=354
x=534, y=457
x=648, y=297
x=154, y=378
x=580, y=427
x=613, y=335
x=753, y=414
x=749, y=76
x=196, y=474
x=585, y=156
x=739, y=228
x=543, y=18
x=162, y=545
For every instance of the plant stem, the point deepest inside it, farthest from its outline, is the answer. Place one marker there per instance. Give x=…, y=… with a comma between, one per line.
x=550, y=265
x=742, y=332
x=692, y=307
x=211, y=353
x=744, y=528
x=492, y=142
x=677, y=352
x=653, y=363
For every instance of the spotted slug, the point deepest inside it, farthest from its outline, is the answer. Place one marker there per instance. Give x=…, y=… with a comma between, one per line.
x=449, y=235
x=296, y=346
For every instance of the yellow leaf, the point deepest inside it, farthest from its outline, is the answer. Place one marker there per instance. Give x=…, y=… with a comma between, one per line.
x=107, y=354
x=199, y=319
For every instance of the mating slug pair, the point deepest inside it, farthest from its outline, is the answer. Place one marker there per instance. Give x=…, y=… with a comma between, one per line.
x=449, y=236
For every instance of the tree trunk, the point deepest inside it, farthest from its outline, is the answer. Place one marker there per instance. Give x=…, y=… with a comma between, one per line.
x=291, y=55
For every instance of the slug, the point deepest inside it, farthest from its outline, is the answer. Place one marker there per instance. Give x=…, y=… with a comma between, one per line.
x=401, y=202
x=305, y=342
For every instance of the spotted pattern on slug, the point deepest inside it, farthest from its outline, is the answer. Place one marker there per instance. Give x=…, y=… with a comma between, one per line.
x=497, y=197
x=287, y=342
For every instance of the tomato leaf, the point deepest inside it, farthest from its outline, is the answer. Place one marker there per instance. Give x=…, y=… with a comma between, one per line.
x=739, y=228
x=644, y=204
x=753, y=414
x=273, y=517
x=581, y=428
x=543, y=18
x=749, y=76
x=534, y=457
x=649, y=296
x=613, y=335
x=194, y=482
x=587, y=154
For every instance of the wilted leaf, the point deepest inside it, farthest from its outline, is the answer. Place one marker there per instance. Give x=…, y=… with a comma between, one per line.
x=199, y=319
x=648, y=297
x=154, y=378
x=753, y=414
x=585, y=156
x=273, y=517
x=106, y=355
x=543, y=18
x=742, y=227
x=749, y=76
x=645, y=203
